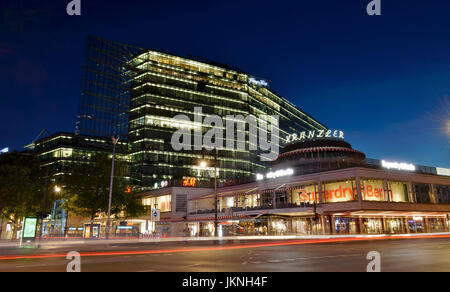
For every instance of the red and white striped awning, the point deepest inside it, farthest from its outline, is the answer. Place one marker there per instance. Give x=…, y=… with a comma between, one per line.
x=320, y=149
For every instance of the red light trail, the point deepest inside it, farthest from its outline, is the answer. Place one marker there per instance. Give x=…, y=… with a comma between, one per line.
x=243, y=246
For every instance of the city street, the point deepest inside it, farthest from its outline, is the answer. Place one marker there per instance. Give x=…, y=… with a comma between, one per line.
x=274, y=256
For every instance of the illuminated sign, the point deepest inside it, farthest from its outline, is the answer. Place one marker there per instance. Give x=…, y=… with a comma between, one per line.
x=339, y=193
x=4, y=150
x=307, y=194
x=302, y=136
x=162, y=184
x=29, y=227
x=258, y=82
x=128, y=190
x=443, y=171
x=276, y=174
x=189, y=182
x=398, y=166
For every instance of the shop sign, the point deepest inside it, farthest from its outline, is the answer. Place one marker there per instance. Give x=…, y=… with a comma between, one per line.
x=311, y=135
x=162, y=184
x=258, y=82
x=397, y=165
x=306, y=196
x=276, y=174
x=443, y=171
x=339, y=194
x=189, y=182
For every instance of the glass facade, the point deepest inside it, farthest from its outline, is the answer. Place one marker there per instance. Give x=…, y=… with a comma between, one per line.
x=166, y=86
x=339, y=191
x=305, y=198
x=373, y=190
x=399, y=191
x=385, y=191
x=442, y=194
x=423, y=193
x=61, y=152
x=163, y=203
x=307, y=194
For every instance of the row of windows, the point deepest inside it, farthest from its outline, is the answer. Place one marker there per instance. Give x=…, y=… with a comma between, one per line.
x=343, y=191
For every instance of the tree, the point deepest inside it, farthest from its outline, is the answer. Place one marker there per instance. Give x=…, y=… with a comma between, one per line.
x=88, y=189
x=21, y=186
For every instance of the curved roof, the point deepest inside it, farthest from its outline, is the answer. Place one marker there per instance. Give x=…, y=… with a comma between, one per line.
x=320, y=149
x=316, y=143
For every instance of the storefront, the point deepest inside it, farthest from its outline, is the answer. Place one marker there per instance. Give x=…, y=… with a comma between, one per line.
x=416, y=225
x=345, y=225
x=346, y=200
x=306, y=226
x=372, y=226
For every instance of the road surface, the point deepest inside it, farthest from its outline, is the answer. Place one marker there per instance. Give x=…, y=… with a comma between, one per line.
x=275, y=256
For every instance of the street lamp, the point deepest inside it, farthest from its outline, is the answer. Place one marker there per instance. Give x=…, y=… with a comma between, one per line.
x=203, y=165
x=56, y=189
x=43, y=207
x=114, y=141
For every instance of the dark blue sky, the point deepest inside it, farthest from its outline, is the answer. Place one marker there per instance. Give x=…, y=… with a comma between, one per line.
x=385, y=80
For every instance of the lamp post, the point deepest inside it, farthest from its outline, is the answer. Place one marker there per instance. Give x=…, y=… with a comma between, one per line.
x=203, y=164
x=114, y=141
x=43, y=207
x=57, y=189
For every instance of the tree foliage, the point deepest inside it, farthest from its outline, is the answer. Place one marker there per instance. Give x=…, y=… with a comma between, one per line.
x=88, y=189
x=21, y=186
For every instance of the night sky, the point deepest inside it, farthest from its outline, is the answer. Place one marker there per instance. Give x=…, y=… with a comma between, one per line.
x=384, y=80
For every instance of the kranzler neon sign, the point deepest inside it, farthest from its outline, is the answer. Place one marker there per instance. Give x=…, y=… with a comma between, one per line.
x=310, y=135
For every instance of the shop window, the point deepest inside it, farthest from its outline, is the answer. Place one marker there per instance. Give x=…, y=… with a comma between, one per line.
x=305, y=194
x=416, y=225
x=373, y=225
x=442, y=194
x=422, y=193
x=399, y=191
x=339, y=191
x=373, y=190
x=346, y=225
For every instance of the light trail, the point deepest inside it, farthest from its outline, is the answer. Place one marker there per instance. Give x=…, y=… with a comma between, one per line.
x=218, y=248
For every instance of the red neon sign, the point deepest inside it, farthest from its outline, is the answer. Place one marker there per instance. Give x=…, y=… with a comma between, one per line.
x=189, y=182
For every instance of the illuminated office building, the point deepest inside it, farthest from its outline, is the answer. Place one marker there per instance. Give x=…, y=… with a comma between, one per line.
x=165, y=86
x=61, y=152
x=135, y=93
